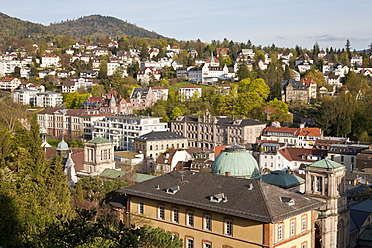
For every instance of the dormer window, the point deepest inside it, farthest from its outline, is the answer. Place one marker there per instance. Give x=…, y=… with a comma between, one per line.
x=218, y=198
x=172, y=190
x=287, y=200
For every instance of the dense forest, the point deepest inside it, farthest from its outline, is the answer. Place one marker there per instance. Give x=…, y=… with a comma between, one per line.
x=94, y=27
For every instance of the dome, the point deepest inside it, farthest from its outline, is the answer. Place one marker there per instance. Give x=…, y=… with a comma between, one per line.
x=236, y=161
x=43, y=130
x=62, y=146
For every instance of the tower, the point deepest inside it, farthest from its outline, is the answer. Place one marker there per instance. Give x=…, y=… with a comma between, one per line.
x=325, y=182
x=63, y=150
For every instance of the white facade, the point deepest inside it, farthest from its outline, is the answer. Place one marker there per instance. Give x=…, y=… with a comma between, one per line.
x=144, y=75
x=7, y=67
x=356, y=60
x=49, y=99
x=25, y=96
x=9, y=84
x=49, y=60
x=122, y=129
x=190, y=91
x=160, y=93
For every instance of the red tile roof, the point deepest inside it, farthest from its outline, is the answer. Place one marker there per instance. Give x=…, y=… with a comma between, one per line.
x=311, y=131
x=158, y=88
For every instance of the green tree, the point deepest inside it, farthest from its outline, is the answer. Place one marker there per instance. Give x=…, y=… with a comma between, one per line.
x=176, y=112
x=117, y=79
x=97, y=90
x=243, y=71
x=74, y=100
x=102, y=70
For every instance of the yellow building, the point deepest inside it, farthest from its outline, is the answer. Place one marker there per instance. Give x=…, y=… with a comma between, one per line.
x=208, y=210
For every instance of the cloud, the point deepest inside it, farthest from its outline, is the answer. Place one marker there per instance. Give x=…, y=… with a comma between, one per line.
x=280, y=37
x=327, y=37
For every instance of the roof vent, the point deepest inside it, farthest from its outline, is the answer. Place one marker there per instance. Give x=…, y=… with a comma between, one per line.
x=157, y=187
x=172, y=190
x=288, y=201
x=250, y=186
x=218, y=198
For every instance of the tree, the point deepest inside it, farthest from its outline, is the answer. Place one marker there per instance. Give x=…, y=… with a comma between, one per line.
x=117, y=78
x=243, y=71
x=176, y=112
x=97, y=90
x=317, y=76
x=278, y=111
x=74, y=99
x=102, y=70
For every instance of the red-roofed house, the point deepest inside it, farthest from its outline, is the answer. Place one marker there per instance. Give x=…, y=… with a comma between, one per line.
x=160, y=93
x=311, y=86
x=9, y=84
x=145, y=74
x=189, y=91
x=291, y=158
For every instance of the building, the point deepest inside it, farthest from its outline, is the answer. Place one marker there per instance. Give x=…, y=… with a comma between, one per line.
x=50, y=60
x=154, y=143
x=25, y=96
x=210, y=131
x=311, y=86
x=49, y=99
x=141, y=99
x=325, y=182
x=293, y=90
x=346, y=154
x=9, y=84
x=98, y=156
x=160, y=93
x=123, y=129
x=190, y=92
x=146, y=74
x=356, y=60
x=285, y=180
x=209, y=210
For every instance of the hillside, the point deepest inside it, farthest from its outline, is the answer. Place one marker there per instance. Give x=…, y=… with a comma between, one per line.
x=11, y=27
x=94, y=26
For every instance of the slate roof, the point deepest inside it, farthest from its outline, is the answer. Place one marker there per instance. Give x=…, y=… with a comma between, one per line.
x=111, y=173
x=246, y=198
x=141, y=92
x=223, y=120
x=297, y=85
x=162, y=135
x=358, y=214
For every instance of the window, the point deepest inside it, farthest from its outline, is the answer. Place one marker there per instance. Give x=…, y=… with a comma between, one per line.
x=303, y=223
x=140, y=208
x=207, y=244
x=208, y=222
x=189, y=242
x=342, y=158
x=175, y=217
x=293, y=227
x=228, y=227
x=190, y=218
x=280, y=232
x=304, y=245
x=161, y=214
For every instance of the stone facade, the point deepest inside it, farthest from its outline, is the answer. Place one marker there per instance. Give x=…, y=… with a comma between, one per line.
x=209, y=131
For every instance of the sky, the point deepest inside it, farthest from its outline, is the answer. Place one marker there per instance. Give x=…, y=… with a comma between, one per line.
x=286, y=23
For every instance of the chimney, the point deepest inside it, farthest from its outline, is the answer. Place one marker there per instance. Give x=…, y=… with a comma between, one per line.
x=227, y=173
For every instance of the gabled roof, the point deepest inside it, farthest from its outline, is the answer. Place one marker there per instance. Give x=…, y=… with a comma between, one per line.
x=245, y=198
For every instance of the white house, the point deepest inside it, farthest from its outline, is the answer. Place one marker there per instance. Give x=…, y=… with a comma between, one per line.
x=356, y=60
x=49, y=99
x=100, y=52
x=50, y=60
x=262, y=65
x=31, y=86
x=25, y=96
x=144, y=75
x=9, y=84
x=160, y=93
x=189, y=91
x=8, y=66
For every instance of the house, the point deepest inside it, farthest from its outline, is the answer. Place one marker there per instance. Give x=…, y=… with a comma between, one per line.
x=208, y=210
x=49, y=99
x=100, y=52
x=182, y=73
x=156, y=142
x=223, y=89
x=8, y=66
x=304, y=58
x=141, y=99
x=334, y=80
x=146, y=74
x=262, y=65
x=322, y=54
x=356, y=60
x=304, y=67
x=189, y=92
x=65, y=74
x=225, y=51
x=50, y=60
x=293, y=90
x=89, y=73
x=153, y=52
x=38, y=87
x=25, y=96
x=311, y=85
x=43, y=74
x=160, y=93
x=9, y=83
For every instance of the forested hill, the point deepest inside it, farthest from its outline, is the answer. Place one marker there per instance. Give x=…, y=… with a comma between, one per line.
x=94, y=26
x=11, y=27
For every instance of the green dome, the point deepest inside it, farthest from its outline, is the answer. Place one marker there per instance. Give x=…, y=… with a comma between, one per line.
x=43, y=130
x=236, y=161
x=62, y=146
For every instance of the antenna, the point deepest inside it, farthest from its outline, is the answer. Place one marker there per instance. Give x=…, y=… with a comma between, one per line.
x=182, y=172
